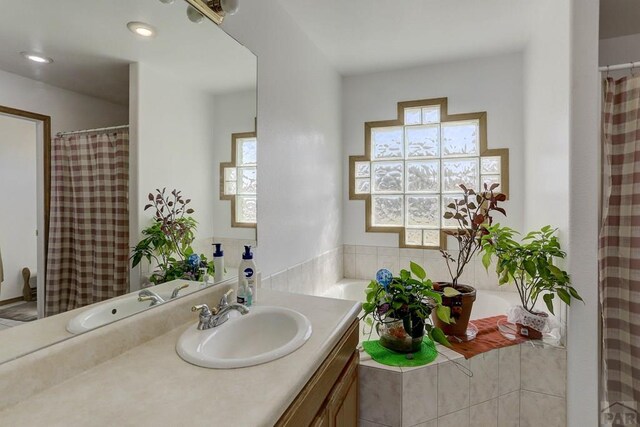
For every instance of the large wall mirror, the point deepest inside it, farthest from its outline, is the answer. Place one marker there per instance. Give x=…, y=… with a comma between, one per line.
x=113, y=124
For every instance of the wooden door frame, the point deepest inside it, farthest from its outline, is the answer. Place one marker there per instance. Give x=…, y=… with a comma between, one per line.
x=46, y=161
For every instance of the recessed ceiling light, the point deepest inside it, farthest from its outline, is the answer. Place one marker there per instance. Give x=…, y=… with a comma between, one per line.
x=37, y=57
x=141, y=29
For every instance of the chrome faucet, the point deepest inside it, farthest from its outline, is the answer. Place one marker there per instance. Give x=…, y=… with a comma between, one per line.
x=211, y=318
x=174, y=294
x=149, y=295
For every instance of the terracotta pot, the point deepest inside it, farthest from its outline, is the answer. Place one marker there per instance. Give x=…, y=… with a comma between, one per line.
x=538, y=318
x=461, y=306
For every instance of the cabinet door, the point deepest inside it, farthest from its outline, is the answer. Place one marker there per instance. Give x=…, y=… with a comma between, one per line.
x=343, y=401
x=322, y=419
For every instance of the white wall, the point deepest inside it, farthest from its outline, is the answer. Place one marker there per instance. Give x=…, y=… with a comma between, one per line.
x=547, y=118
x=235, y=113
x=583, y=342
x=68, y=110
x=300, y=174
x=173, y=147
x=18, y=210
x=492, y=84
x=619, y=50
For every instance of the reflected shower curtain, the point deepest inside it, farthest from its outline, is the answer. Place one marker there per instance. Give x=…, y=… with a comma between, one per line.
x=87, y=259
x=619, y=243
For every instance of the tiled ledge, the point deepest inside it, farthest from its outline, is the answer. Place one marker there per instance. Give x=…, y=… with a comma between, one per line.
x=521, y=385
x=362, y=262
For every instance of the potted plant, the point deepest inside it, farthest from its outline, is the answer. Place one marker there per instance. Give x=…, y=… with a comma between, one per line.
x=400, y=308
x=168, y=240
x=472, y=215
x=529, y=265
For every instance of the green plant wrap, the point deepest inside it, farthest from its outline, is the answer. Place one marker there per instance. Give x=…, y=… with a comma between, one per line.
x=380, y=354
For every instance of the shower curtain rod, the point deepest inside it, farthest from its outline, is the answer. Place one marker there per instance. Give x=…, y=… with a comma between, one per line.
x=75, y=132
x=624, y=66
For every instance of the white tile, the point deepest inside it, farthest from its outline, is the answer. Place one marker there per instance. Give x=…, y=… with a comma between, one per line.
x=365, y=423
x=416, y=254
x=485, y=279
x=386, y=251
x=432, y=254
x=293, y=279
x=349, y=249
x=367, y=250
x=543, y=369
x=432, y=423
x=484, y=383
x=279, y=281
x=405, y=263
x=509, y=369
x=419, y=395
x=437, y=270
x=456, y=419
x=537, y=409
x=453, y=386
x=266, y=283
x=380, y=394
x=389, y=262
x=349, y=266
x=509, y=410
x=366, y=266
x=306, y=278
x=484, y=414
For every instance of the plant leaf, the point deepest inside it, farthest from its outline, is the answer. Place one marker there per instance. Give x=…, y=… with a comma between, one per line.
x=444, y=313
x=450, y=292
x=548, y=300
x=438, y=336
x=417, y=270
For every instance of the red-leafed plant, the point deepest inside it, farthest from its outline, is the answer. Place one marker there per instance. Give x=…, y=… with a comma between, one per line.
x=473, y=214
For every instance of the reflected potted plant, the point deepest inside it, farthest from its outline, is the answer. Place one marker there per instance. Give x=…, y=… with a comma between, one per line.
x=472, y=214
x=167, y=241
x=400, y=307
x=529, y=265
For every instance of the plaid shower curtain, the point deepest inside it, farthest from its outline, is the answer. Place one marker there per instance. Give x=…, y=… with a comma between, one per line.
x=619, y=244
x=87, y=259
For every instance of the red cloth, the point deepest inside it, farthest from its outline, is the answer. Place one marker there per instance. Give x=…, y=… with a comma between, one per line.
x=488, y=338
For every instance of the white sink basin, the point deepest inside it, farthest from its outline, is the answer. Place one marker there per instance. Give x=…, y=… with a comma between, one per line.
x=265, y=334
x=109, y=311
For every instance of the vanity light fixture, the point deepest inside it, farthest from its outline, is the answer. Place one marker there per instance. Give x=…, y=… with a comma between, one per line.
x=37, y=57
x=141, y=29
x=215, y=10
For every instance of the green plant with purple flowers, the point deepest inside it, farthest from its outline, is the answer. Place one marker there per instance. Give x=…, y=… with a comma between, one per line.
x=167, y=241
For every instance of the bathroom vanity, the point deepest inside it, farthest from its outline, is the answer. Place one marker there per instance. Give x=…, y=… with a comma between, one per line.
x=128, y=373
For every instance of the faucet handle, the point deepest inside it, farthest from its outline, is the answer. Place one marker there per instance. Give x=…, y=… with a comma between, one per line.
x=174, y=294
x=203, y=308
x=224, y=301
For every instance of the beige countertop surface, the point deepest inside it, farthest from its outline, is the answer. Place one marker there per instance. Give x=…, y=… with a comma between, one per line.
x=150, y=384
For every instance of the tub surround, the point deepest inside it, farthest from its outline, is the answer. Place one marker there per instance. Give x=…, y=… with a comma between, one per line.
x=362, y=262
x=134, y=361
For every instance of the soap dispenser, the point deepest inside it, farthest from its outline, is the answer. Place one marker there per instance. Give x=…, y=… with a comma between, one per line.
x=218, y=263
x=247, y=270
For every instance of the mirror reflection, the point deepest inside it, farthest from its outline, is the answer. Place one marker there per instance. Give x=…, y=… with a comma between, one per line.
x=113, y=127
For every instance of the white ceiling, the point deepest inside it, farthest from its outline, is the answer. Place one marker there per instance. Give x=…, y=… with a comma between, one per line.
x=92, y=47
x=619, y=18
x=369, y=35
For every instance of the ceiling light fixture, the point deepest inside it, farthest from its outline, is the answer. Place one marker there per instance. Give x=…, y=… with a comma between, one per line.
x=215, y=10
x=37, y=57
x=141, y=29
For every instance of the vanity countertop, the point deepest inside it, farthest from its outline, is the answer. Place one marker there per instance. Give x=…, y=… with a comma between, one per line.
x=151, y=385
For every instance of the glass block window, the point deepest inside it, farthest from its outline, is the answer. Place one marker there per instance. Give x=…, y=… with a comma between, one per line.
x=238, y=179
x=413, y=167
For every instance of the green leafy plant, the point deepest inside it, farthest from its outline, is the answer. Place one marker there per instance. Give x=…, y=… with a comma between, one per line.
x=473, y=213
x=167, y=241
x=406, y=297
x=529, y=264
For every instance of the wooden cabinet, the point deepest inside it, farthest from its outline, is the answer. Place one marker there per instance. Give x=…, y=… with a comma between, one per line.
x=330, y=398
